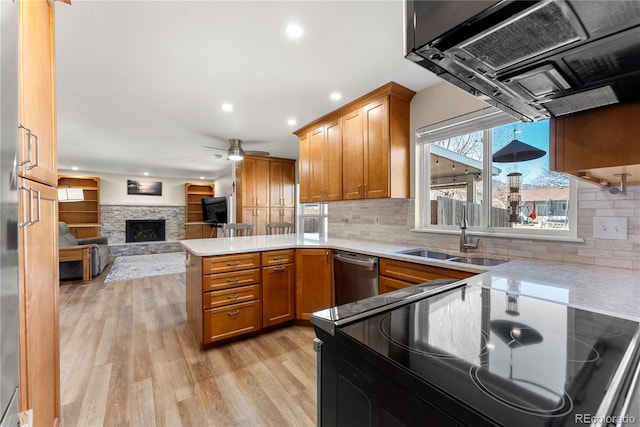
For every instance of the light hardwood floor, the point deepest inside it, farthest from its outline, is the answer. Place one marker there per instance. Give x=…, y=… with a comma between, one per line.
x=128, y=358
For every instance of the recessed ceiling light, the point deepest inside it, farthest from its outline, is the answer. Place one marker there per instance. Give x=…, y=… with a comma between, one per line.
x=291, y=122
x=335, y=96
x=294, y=31
x=202, y=177
x=146, y=174
x=227, y=107
x=75, y=168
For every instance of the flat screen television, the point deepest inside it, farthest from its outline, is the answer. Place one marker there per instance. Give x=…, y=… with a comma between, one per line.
x=214, y=210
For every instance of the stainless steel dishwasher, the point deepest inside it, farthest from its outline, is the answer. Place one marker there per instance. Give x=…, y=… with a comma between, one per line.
x=356, y=276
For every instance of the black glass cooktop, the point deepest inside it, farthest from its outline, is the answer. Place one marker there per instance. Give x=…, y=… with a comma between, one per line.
x=518, y=360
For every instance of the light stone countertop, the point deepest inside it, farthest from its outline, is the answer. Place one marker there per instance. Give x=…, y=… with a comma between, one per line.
x=611, y=291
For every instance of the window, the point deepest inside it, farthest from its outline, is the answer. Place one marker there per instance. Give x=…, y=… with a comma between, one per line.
x=489, y=153
x=314, y=219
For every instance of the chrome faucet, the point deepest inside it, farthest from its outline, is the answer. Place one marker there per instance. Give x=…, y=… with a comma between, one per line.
x=464, y=243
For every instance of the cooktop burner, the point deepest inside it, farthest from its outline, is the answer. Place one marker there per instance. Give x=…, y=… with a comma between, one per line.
x=557, y=403
x=384, y=327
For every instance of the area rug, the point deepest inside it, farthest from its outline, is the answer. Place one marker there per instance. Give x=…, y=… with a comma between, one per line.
x=136, y=266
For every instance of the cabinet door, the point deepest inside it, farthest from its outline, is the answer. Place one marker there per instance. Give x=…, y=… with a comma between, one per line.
x=314, y=281
x=376, y=150
x=258, y=217
x=38, y=303
x=282, y=215
x=278, y=294
x=289, y=184
x=304, y=168
x=333, y=164
x=262, y=183
x=255, y=182
x=352, y=156
x=282, y=176
x=36, y=92
x=318, y=165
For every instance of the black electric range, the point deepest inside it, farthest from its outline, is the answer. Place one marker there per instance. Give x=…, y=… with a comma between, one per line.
x=472, y=356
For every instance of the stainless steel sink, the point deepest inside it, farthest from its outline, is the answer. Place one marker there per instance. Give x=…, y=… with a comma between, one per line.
x=425, y=253
x=487, y=262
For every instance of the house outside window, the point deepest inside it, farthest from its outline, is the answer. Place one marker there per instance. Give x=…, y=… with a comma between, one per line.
x=462, y=160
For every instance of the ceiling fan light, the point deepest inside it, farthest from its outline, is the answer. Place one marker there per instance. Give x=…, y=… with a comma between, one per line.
x=235, y=151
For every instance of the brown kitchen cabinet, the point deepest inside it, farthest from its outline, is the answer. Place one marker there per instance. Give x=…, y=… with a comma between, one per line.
x=254, y=182
x=304, y=168
x=314, y=281
x=37, y=247
x=266, y=191
x=224, y=298
x=278, y=287
x=373, y=132
x=596, y=145
x=401, y=274
x=282, y=183
x=38, y=304
x=194, y=226
x=325, y=162
x=256, y=216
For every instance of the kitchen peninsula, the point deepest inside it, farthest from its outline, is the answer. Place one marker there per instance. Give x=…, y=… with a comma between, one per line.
x=230, y=295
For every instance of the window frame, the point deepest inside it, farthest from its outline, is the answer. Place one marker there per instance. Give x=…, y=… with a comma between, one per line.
x=489, y=117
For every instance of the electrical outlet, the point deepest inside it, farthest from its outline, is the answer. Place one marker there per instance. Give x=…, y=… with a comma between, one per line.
x=615, y=228
x=377, y=219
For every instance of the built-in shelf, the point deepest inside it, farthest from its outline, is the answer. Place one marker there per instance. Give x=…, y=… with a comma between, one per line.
x=82, y=217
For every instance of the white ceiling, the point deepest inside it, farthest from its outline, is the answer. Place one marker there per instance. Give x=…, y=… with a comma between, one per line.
x=141, y=83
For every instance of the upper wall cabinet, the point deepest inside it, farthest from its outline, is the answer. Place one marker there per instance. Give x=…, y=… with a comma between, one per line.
x=598, y=145
x=359, y=151
x=37, y=153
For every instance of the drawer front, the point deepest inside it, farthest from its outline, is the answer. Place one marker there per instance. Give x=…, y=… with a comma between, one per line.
x=215, y=282
x=277, y=257
x=388, y=284
x=222, y=264
x=233, y=320
x=417, y=273
x=230, y=296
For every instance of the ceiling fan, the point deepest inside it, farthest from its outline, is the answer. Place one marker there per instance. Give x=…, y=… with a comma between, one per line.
x=235, y=151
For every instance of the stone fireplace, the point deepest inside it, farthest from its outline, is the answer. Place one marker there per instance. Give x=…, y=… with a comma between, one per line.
x=145, y=230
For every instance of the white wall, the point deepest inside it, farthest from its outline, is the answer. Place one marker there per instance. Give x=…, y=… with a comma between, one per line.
x=435, y=104
x=113, y=189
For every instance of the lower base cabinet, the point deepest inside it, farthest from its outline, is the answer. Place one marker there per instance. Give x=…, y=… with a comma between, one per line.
x=278, y=294
x=399, y=274
x=314, y=281
x=232, y=320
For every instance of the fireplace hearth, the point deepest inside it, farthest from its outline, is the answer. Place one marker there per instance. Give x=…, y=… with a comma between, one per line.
x=145, y=230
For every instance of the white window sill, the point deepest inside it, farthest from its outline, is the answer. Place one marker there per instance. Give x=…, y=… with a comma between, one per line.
x=500, y=235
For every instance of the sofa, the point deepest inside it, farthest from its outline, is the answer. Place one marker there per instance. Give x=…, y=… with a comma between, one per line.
x=99, y=252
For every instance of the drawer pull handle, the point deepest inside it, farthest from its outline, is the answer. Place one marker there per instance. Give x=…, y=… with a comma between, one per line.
x=230, y=263
x=279, y=268
x=233, y=296
x=233, y=279
x=233, y=313
x=278, y=258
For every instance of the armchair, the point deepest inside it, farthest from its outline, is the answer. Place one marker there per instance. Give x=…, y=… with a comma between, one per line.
x=81, y=258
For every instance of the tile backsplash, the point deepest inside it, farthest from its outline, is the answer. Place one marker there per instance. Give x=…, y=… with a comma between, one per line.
x=391, y=221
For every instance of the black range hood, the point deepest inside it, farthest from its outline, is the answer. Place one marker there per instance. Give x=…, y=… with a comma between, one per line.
x=532, y=59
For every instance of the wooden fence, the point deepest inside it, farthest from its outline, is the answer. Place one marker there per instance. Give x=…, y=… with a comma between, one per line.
x=446, y=211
